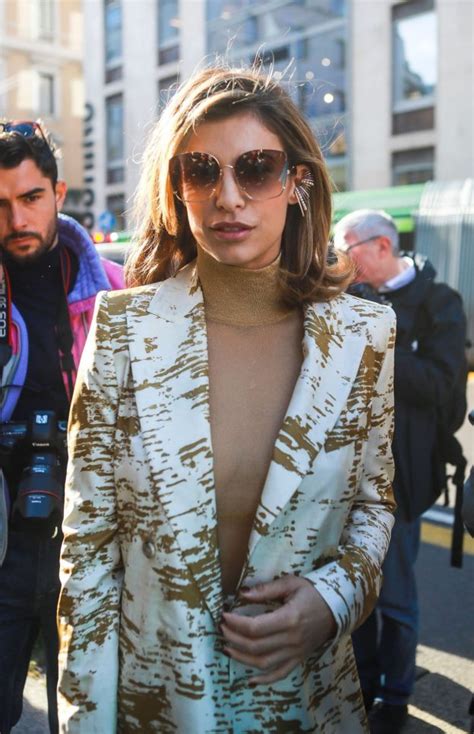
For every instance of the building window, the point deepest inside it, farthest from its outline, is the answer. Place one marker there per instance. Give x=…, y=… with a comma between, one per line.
x=274, y=56
x=244, y=22
x=46, y=97
x=166, y=88
x=116, y=205
x=298, y=14
x=113, y=74
x=113, y=32
x=338, y=174
x=312, y=33
x=412, y=166
x=413, y=120
x=45, y=27
x=415, y=56
x=168, y=31
x=114, y=135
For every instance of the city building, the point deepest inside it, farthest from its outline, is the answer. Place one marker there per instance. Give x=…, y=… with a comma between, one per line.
x=41, y=78
x=386, y=85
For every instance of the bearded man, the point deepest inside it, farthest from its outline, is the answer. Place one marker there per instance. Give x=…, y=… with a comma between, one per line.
x=50, y=274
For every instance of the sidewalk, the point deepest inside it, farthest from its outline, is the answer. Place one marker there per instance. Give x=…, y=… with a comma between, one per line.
x=34, y=719
x=441, y=700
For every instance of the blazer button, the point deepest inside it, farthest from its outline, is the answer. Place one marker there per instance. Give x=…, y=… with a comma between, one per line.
x=149, y=549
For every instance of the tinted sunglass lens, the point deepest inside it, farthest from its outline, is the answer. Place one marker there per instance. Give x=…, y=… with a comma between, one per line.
x=198, y=176
x=22, y=128
x=260, y=173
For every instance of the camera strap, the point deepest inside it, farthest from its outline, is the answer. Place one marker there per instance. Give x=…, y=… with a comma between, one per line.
x=64, y=330
x=5, y=321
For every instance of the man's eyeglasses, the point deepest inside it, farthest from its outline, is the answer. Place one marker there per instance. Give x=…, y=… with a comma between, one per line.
x=27, y=128
x=348, y=248
x=260, y=174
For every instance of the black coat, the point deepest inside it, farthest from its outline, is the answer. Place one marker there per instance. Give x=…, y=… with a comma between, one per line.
x=429, y=356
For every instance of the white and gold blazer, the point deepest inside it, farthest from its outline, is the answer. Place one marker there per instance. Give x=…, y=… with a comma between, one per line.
x=142, y=600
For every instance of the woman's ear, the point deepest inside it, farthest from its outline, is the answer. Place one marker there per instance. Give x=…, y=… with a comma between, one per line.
x=302, y=181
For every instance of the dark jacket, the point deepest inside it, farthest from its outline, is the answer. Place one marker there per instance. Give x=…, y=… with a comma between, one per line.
x=94, y=274
x=429, y=356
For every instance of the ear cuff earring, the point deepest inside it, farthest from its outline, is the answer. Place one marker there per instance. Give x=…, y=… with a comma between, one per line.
x=302, y=191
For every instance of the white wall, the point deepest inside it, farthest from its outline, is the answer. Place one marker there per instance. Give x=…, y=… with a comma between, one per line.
x=94, y=95
x=3, y=64
x=370, y=57
x=455, y=109
x=140, y=52
x=193, y=35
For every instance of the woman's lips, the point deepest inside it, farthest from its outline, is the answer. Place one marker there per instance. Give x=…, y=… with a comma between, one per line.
x=231, y=231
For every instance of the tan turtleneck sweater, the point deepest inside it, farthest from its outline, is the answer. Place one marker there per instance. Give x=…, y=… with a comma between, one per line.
x=255, y=355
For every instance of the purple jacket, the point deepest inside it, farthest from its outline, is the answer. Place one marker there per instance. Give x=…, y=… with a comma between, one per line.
x=95, y=274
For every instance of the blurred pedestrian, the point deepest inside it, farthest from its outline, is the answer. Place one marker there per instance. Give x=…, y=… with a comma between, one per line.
x=468, y=499
x=50, y=274
x=229, y=500
x=468, y=517
x=429, y=359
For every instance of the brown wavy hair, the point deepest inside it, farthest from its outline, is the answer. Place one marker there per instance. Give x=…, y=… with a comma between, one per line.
x=163, y=242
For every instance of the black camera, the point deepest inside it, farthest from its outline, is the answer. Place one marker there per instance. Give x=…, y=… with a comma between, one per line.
x=34, y=458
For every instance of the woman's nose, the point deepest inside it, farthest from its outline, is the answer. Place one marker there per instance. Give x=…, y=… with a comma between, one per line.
x=228, y=194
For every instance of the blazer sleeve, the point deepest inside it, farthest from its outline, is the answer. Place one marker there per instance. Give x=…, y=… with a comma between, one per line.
x=91, y=566
x=350, y=584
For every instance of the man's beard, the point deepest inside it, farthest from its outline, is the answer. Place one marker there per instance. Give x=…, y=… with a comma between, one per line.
x=45, y=244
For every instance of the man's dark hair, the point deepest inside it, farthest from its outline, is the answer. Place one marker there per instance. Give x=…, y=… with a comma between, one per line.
x=16, y=148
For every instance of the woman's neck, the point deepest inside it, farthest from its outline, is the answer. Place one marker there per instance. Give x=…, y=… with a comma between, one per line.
x=239, y=296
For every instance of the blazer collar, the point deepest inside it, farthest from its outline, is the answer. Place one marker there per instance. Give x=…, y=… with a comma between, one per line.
x=175, y=298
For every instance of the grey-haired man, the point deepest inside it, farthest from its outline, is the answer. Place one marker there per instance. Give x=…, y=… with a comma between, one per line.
x=429, y=357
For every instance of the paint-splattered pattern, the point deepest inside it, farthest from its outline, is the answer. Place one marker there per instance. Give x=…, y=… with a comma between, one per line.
x=141, y=599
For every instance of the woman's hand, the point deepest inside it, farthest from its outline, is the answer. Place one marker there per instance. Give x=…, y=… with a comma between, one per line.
x=276, y=642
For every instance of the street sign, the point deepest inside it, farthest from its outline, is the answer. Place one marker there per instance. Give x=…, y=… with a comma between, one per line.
x=107, y=221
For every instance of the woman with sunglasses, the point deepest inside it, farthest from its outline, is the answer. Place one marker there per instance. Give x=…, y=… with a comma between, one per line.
x=229, y=501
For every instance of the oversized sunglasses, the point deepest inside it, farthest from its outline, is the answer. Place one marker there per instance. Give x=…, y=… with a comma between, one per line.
x=260, y=174
x=27, y=128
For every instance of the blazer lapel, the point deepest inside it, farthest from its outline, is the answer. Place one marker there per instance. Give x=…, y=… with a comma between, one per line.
x=169, y=361
x=330, y=365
